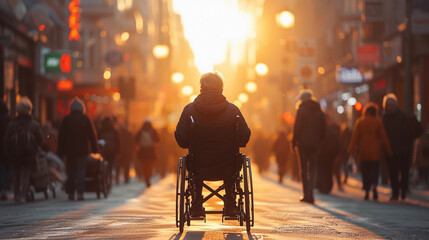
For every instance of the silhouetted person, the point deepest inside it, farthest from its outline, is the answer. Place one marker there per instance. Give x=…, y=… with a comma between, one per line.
x=261, y=151
x=401, y=130
x=22, y=142
x=214, y=150
x=328, y=152
x=308, y=133
x=368, y=137
x=5, y=169
x=112, y=144
x=146, y=138
x=126, y=154
x=76, y=139
x=281, y=148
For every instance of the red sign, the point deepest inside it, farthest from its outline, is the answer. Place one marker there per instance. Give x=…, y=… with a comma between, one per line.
x=368, y=54
x=64, y=85
x=74, y=8
x=65, y=63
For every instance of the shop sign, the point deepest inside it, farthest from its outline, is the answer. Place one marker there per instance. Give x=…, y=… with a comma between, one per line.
x=368, y=54
x=420, y=23
x=64, y=85
x=74, y=20
x=374, y=11
x=59, y=62
x=349, y=75
x=306, y=67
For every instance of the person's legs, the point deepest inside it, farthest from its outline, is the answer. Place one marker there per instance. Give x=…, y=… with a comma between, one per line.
x=147, y=171
x=196, y=185
x=312, y=173
x=25, y=181
x=71, y=177
x=304, y=172
x=375, y=172
x=3, y=181
x=366, y=177
x=393, y=173
x=230, y=197
x=404, y=168
x=80, y=176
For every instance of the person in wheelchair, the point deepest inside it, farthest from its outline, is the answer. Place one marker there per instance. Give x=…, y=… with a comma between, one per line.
x=213, y=130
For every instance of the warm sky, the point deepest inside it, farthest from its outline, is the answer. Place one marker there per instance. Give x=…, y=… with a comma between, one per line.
x=210, y=26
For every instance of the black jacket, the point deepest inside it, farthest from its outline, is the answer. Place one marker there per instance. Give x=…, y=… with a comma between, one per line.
x=5, y=119
x=31, y=125
x=213, y=138
x=401, y=130
x=76, y=136
x=310, y=126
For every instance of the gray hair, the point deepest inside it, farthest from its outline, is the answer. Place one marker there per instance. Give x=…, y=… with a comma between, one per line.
x=391, y=97
x=212, y=81
x=24, y=106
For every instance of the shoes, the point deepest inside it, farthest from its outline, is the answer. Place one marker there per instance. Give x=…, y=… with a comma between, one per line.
x=375, y=195
x=366, y=196
x=307, y=199
x=71, y=197
x=403, y=195
x=80, y=197
x=197, y=211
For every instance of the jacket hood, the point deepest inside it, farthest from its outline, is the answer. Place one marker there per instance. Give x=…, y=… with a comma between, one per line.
x=77, y=105
x=310, y=105
x=210, y=103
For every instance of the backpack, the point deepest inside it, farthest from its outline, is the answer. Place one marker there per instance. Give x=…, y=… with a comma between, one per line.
x=22, y=142
x=146, y=139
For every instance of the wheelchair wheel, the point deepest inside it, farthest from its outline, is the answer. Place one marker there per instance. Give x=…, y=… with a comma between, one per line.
x=180, y=194
x=248, y=194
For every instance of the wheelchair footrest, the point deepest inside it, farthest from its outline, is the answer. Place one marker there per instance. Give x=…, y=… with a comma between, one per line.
x=202, y=218
x=231, y=217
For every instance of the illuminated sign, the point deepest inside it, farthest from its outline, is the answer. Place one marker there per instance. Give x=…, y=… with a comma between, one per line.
x=349, y=75
x=58, y=62
x=64, y=85
x=74, y=8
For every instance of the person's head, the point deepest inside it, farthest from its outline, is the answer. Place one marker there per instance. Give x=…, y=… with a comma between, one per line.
x=390, y=102
x=305, y=94
x=370, y=109
x=107, y=123
x=147, y=123
x=211, y=81
x=77, y=105
x=24, y=106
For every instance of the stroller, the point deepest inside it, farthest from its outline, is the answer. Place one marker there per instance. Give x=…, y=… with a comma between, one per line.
x=98, y=177
x=40, y=180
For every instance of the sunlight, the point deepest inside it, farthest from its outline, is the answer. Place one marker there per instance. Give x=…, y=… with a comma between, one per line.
x=220, y=25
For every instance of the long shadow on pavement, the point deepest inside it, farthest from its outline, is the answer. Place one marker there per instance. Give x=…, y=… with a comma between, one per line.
x=195, y=235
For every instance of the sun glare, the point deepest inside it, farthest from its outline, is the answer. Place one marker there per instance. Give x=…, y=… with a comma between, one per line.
x=220, y=24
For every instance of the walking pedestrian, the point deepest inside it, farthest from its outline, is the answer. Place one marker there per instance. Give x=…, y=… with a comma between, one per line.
x=126, y=154
x=368, y=136
x=401, y=130
x=281, y=149
x=77, y=138
x=5, y=169
x=112, y=144
x=309, y=130
x=22, y=142
x=421, y=158
x=146, y=139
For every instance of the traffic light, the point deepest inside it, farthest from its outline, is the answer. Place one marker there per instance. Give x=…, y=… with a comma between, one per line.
x=358, y=106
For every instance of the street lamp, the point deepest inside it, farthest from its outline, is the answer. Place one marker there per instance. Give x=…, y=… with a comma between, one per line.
x=177, y=77
x=285, y=19
x=160, y=51
x=261, y=69
x=251, y=87
x=107, y=74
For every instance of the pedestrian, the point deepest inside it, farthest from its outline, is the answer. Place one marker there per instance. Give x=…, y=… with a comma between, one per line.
x=261, y=151
x=5, y=169
x=343, y=157
x=281, y=148
x=309, y=131
x=23, y=140
x=401, y=130
x=112, y=144
x=76, y=139
x=126, y=153
x=368, y=136
x=326, y=158
x=146, y=138
x=212, y=144
x=421, y=158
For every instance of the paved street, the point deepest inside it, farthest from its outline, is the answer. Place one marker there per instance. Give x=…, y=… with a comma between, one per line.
x=132, y=212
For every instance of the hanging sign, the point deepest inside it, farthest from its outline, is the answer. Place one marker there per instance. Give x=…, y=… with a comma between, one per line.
x=74, y=24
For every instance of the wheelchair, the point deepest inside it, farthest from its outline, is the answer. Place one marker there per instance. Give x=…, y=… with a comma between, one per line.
x=243, y=193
